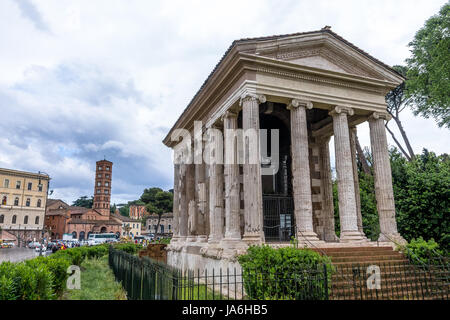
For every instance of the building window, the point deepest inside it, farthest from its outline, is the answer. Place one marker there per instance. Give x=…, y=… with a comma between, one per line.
x=39, y=203
x=106, y=191
x=99, y=175
x=106, y=184
x=99, y=191
x=25, y=220
x=18, y=185
x=30, y=185
x=169, y=227
x=4, y=198
x=40, y=187
x=99, y=184
x=2, y=218
x=28, y=202
x=107, y=168
x=14, y=218
x=16, y=201
x=36, y=221
x=100, y=168
x=6, y=183
x=107, y=175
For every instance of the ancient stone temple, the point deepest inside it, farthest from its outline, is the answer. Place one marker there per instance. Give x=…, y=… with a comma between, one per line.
x=251, y=150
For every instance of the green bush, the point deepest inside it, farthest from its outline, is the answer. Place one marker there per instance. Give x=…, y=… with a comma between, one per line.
x=284, y=273
x=130, y=248
x=43, y=278
x=422, y=252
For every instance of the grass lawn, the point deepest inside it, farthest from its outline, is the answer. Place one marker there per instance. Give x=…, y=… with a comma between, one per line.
x=97, y=283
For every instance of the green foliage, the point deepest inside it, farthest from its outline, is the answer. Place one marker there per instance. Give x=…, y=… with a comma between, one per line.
x=288, y=272
x=157, y=200
x=97, y=282
x=130, y=248
x=43, y=278
x=428, y=76
x=84, y=202
x=423, y=252
x=422, y=194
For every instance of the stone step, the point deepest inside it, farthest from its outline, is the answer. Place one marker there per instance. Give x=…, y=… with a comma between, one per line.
x=329, y=251
x=365, y=253
x=366, y=259
x=347, y=264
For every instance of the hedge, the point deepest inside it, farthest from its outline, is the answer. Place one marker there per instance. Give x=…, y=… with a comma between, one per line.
x=284, y=273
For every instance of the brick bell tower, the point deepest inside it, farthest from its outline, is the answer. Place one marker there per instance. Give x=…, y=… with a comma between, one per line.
x=102, y=190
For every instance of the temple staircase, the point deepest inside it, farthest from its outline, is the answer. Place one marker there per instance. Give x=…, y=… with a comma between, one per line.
x=399, y=279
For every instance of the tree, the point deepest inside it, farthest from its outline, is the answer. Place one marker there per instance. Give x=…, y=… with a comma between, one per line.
x=428, y=82
x=396, y=102
x=157, y=201
x=84, y=202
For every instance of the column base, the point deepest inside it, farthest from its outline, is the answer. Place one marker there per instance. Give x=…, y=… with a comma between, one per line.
x=352, y=236
x=233, y=243
x=214, y=240
x=253, y=238
x=202, y=238
x=308, y=236
x=191, y=238
x=395, y=238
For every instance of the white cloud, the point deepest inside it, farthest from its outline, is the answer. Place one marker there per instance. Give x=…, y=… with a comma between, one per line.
x=109, y=78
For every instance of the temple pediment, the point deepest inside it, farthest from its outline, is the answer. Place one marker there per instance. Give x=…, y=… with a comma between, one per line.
x=324, y=51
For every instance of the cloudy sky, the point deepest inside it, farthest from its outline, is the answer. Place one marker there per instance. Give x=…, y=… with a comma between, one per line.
x=82, y=80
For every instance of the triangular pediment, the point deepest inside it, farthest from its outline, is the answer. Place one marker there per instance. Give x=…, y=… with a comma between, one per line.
x=323, y=51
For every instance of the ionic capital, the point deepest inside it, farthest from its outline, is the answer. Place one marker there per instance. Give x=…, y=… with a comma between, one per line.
x=380, y=115
x=248, y=96
x=341, y=109
x=295, y=103
x=229, y=115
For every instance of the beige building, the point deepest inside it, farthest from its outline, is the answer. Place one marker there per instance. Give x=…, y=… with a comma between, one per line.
x=23, y=198
x=130, y=227
x=251, y=149
x=165, y=225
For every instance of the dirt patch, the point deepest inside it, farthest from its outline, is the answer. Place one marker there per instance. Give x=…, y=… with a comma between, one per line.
x=155, y=251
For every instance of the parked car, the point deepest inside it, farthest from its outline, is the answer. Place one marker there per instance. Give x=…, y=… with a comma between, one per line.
x=33, y=244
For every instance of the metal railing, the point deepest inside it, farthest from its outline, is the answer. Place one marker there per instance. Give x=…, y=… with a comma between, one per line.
x=146, y=279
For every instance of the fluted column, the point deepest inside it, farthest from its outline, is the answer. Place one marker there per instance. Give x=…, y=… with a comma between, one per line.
x=301, y=179
x=345, y=180
x=383, y=178
x=356, y=178
x=200, y=199
x=231, y=169
x=176, y=202
x=183, y=214
x=327, y=190
x=253, y=210
x=216, y=182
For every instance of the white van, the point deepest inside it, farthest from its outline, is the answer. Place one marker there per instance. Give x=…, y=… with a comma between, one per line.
x=99, y=238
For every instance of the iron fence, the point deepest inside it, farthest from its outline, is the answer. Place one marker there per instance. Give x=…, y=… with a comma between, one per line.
x=147, y=279
x=390, y=281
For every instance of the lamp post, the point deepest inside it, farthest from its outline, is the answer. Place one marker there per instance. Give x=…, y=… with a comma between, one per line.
x=45, y=209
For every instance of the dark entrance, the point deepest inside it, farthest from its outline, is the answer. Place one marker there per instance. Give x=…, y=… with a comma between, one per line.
x=278, y=205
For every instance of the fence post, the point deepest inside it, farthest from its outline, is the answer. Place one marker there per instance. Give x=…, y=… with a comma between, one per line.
x=325, y=279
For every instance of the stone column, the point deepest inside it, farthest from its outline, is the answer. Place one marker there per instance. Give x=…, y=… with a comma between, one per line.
x=231, y=169
x=183, y=214
x=356, y=178
x=253, y=209
x=383, y=179
x=176, y=202
x=301, y=178
x=200, y=198
x=327, y=190
x=190, y=201
x=344, y=170
x=216, y=190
